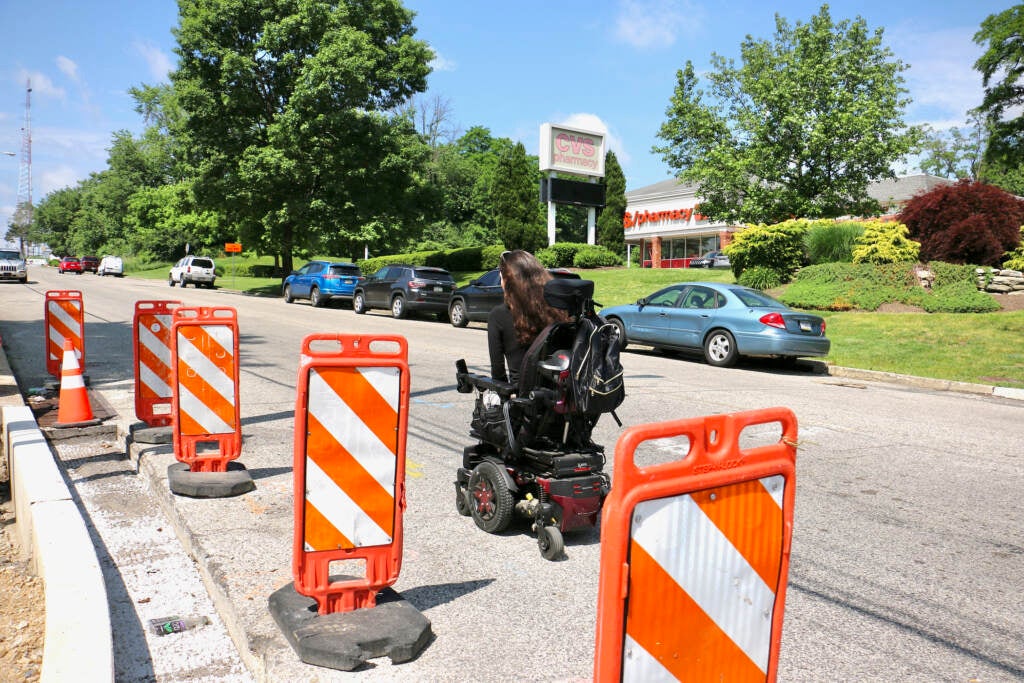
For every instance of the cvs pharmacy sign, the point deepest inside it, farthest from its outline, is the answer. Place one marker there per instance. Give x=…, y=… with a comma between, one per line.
x=571, y=150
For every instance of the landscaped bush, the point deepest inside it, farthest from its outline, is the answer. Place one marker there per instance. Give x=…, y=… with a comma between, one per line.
x=779, y=247
x=595, y=256
x=1014, y=259
x=865, y=286
x=760, y=277
x=490, y=256
x=885, y=242
x=968, y=222
x=831, y=242
x=559, y=254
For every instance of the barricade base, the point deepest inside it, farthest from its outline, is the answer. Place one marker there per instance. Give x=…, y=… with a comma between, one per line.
x=143, y=433
x=234, y=482
x=346, y=640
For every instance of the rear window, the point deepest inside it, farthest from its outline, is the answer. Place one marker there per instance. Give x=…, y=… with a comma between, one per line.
x=346, y=270
x=755, y=299
x=430, y=274
x=202, y=263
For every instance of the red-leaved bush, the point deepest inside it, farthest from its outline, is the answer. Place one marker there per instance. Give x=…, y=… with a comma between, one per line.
x=967, y=222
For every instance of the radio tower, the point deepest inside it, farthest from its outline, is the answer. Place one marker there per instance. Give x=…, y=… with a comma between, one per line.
x=23, y=209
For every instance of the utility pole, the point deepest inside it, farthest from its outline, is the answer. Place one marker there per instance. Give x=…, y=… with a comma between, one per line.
x=23, y=208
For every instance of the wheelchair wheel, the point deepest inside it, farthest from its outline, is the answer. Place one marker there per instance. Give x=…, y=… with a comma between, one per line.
x=490, y=501
x=550, y=541
x=461, y=501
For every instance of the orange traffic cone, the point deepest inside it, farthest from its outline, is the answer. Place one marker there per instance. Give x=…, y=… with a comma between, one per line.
x=73, y=404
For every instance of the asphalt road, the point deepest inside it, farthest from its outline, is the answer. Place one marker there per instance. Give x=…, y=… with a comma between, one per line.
x=908, y=551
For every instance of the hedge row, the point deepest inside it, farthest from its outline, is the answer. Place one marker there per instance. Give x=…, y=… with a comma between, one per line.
x=559, y=255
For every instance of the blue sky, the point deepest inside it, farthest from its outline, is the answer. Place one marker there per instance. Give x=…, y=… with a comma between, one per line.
x=508, y=66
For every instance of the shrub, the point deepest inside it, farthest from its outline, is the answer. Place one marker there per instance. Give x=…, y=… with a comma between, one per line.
x=779, y=247
x=1014, y=260
x=760, y=277
x=490, y=256
x=885, y=242
x=968, y=222
x=595, y=256
x=831, y=242
x=559, y=254
x=416, y=258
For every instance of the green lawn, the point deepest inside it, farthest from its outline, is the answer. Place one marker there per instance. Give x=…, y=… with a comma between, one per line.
x=983, y=348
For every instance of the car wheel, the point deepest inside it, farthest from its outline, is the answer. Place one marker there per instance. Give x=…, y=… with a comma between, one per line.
x=359, y=303
x=170, y=281
x=288, y=294
x=457, y=313
x=621, y=326
x=490, y=501
x=398, y=306
x=720, y=349
x=315, y=300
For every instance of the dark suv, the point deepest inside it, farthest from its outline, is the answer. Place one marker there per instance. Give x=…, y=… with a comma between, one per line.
x=405, y=289
x=475, y=300
x=90, y=264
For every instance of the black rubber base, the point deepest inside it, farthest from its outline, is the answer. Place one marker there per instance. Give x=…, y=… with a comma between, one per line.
x=234, y=482
x=346, y=640
x=143, y=433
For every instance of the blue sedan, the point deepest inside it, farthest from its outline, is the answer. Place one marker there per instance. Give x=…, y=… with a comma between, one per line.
x=723, y=321
x=321, y=281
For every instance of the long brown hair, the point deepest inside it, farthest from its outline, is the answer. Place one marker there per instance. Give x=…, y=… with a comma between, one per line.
x=523, y=279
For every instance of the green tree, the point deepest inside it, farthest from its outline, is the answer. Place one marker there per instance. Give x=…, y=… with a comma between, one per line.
x=800, y=128
x=292, y=118
x=956, y=153
x=610, y=231
x=1001, y=67
x=516, y=201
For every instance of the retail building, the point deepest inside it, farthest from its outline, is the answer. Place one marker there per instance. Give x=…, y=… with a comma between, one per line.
x=665, y=229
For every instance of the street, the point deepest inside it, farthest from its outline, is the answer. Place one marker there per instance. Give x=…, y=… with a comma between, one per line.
x=908, y=550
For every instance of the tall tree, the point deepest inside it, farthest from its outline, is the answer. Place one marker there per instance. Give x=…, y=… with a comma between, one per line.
x=1002, y=68
x=516, y=202
x=956, y=153
x=610, y=231
x=292, y=117
x=800, y=128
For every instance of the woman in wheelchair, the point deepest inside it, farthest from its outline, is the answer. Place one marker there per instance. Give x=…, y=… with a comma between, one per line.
x=513, y=325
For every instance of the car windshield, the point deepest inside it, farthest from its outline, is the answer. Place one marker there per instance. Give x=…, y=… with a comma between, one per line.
x=346, y=270
x=10, y=256
x=202, y=263
x=428, y=274
x=755, y=299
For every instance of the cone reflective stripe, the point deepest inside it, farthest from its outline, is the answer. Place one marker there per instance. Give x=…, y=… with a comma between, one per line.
x=695, y=554
x=64, y=314
x=204, y=383
x=152, y=346
x=350, y=457
x=351, y=413
x=73, y=403
x=721, y=586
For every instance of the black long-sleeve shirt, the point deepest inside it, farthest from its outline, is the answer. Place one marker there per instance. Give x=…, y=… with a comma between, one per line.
x=502, y=345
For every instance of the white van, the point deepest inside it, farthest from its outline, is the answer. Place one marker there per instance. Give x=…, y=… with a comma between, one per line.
x=110, y=265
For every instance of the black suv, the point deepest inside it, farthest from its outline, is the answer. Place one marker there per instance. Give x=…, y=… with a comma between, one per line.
x=405, y=289
x=475, y=300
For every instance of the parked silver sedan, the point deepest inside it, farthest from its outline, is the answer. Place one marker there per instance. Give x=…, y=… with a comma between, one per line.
x=723, y=321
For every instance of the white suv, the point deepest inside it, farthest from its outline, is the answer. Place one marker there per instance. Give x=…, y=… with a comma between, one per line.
x=193, y=270
x=12, y=266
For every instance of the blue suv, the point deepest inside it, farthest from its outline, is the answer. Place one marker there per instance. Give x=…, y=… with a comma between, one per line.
x=321, y=281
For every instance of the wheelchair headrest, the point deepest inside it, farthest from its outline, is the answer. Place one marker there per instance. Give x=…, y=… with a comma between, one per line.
x=568, y=295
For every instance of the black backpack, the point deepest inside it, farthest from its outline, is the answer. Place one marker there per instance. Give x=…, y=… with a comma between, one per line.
x=597, y=377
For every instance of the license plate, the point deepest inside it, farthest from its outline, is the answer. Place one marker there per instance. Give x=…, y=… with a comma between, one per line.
x=438, y=288
x=805, y=326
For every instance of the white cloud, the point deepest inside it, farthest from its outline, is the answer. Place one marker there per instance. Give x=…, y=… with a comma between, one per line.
x=440, y=63
x=68, y=67
x=159, y=63
x=655, y=24
x=42, y=86
x=57, y=179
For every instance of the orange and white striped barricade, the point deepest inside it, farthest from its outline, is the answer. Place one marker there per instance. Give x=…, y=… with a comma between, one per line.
x=206, y=425
x=64, y=318
x=151, y=353
x=351, y=415
x=695, y=553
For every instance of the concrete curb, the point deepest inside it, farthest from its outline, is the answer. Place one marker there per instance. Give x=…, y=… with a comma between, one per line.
x=78, y=643
x=925, y=382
